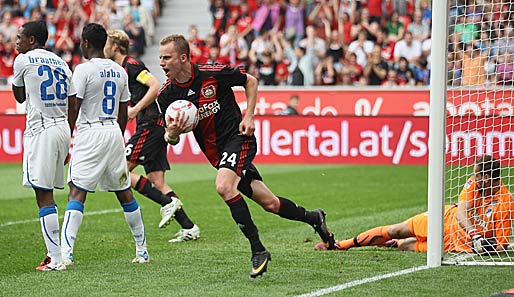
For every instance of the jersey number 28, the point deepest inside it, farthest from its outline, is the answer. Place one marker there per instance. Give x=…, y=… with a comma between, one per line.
x=61, y=87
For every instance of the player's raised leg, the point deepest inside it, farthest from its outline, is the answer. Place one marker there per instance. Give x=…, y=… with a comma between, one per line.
x=189, y=230
x=169, y=205
x=252, y=186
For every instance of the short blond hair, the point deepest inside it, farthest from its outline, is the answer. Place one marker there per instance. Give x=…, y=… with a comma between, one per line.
x=181, y=44
x=120, y=38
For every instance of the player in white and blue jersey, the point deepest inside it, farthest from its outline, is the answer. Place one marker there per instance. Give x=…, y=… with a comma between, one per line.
x=98, y=157
x=43, y=80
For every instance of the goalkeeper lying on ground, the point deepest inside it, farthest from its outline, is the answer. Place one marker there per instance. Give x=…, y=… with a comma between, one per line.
x=480, y=221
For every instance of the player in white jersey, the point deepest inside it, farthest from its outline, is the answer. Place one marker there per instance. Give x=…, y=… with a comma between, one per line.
x=43, y=80
x=98, y=157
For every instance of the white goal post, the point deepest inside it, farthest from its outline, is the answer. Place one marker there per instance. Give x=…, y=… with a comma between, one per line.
x=471, y=63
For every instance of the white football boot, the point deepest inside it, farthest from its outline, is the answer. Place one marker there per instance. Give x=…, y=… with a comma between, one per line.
x=168, y=211
x=186, y=234
x=141, y=257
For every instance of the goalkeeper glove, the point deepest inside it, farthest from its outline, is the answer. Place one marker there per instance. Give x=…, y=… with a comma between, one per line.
x=480, y=244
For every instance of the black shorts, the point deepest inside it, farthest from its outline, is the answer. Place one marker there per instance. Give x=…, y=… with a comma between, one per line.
x=148, y=148
x=238, y=155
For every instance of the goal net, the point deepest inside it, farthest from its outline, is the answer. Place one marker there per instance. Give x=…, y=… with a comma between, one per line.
x=479, y=121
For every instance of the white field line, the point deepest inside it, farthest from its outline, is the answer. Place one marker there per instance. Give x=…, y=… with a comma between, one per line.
x=90, y=213
x=361, y=281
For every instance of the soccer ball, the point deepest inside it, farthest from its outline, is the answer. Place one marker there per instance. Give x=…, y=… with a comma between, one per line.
x=190, y=110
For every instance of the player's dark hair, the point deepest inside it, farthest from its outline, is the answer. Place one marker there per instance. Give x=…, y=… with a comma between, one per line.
x=95, y=34
x=181, y=44
x=489, y=165
x=37, y=29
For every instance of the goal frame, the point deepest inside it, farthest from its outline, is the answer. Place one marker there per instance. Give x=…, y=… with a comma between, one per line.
x=437, y=144
x=437, y=132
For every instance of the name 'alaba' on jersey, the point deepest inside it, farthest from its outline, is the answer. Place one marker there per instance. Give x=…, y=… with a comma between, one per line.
x=47, y=81
x=210, y=90
x=106, y=83
x=138, y=75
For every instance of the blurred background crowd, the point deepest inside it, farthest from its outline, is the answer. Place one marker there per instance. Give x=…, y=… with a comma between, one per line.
x=65, y=19
x=297, y=42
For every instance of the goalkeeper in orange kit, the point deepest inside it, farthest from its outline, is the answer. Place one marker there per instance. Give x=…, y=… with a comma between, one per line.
x=480, y=222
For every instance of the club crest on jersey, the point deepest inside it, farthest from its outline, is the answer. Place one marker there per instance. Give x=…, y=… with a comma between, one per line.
x=468, y=183
x=209, y=91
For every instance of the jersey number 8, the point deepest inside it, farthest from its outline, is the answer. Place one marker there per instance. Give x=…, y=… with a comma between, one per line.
x=109, y=93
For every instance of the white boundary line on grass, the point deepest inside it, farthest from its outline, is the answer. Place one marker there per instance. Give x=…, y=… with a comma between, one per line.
x=91, y=213
x=362, y=281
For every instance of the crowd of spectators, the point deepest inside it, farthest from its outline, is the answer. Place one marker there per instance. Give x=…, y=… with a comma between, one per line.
x=65, y=19
x=298, y=42
x=357, y=43
x=321, y=42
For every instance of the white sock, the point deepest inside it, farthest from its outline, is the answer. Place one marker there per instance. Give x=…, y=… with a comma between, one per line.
x=135, y=222
x=70, y=226
x=50, y=229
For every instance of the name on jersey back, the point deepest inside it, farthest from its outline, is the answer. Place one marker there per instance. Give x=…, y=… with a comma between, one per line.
x=109, y=73
x=46, y=60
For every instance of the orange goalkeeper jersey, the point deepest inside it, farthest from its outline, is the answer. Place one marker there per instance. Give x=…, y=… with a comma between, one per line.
x=492, y=216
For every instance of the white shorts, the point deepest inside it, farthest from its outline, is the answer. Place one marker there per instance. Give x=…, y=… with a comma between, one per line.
x=43, y=157
x=98, y=158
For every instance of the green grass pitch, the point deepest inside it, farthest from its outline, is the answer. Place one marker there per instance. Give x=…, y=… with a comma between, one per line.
x=218, y=264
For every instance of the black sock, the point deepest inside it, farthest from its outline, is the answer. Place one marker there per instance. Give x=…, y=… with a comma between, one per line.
x=241, y=215
x=145, y=187
x=180, y=215
x=291, y=211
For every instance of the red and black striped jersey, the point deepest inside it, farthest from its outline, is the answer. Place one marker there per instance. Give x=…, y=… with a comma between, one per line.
x=210, y=90
x=138, y=74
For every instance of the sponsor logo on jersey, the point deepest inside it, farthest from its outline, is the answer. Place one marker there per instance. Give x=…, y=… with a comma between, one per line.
x=208, y=109
x=208, y=91
x=190, y=92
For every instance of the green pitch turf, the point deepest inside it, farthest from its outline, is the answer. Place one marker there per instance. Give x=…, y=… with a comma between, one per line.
x=218, y=264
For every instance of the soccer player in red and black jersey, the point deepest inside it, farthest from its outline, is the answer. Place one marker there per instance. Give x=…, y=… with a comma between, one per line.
x=227, y=140
x=147, y=146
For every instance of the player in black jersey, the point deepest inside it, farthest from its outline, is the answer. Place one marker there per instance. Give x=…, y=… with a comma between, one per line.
x=147, y=146
x=227, y=140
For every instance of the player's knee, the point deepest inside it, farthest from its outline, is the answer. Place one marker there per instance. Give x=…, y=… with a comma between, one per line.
x=225, y=190
x=157, y=183
x=271, y=205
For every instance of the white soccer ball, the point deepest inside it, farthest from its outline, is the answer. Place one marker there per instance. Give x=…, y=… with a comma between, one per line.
x=190, y=112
